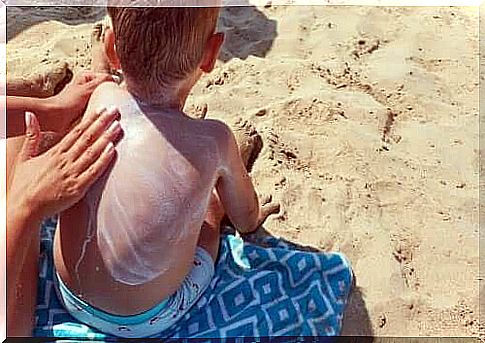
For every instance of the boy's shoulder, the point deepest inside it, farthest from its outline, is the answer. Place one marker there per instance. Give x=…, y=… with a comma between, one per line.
x=104, y=91
x=216, y=128
x=108, y=86
x=214, y=124
x=223, y=135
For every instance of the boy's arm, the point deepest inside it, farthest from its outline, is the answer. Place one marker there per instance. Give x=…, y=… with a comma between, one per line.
x=236, y=189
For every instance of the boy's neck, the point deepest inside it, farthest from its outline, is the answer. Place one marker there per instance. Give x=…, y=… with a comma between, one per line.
x=176, y=102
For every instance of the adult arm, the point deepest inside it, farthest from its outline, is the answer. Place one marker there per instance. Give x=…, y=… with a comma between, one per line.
x=58, y=112
x=42, y=186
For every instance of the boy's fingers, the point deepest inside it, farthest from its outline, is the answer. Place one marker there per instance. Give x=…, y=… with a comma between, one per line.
x=96, y=169
x=106, y=121
x=266, y=199
x=30, y=148
x=271, y=208
x=266, y=211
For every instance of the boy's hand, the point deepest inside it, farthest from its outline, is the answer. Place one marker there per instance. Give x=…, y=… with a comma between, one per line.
x=70, y=103
x=267, y=208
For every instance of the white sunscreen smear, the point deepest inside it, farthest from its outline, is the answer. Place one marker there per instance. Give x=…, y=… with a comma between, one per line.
x=144, y=209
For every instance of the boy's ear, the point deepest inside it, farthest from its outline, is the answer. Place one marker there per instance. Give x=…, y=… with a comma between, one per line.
x=110, y=49
x=212, y=52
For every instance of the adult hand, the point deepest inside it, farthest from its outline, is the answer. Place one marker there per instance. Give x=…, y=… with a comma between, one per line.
x=70, y=103
x=45, y=185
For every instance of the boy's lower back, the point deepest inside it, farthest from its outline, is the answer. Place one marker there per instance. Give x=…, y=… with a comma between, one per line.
x=131, y=241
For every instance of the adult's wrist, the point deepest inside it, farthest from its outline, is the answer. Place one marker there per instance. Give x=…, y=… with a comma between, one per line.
x=51, y=107
x=22, y=215
x=53, y=114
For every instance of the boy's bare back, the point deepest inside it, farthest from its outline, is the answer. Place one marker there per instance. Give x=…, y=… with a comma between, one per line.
x=131, y=242
x=153, y=205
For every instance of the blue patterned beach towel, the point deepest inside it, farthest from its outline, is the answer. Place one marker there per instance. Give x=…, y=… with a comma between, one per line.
x=257, y=291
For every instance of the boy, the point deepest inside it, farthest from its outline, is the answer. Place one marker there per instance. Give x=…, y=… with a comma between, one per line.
x=139, y=250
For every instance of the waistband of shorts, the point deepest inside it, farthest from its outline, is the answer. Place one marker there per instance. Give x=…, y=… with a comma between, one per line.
x=70, y=299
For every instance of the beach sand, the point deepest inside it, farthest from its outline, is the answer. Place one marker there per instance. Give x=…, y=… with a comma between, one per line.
x=369, y=119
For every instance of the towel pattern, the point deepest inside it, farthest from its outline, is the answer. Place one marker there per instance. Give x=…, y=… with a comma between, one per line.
x=257, y=291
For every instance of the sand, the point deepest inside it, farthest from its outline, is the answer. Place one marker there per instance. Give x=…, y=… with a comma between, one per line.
x=369, y=119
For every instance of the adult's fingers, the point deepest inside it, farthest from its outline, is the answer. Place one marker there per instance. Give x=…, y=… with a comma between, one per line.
x=91, y=154
x=93, y=80
x=97, y=168
x=89, y=119
x=91, y=133
x=88, y=76
x=30, y=148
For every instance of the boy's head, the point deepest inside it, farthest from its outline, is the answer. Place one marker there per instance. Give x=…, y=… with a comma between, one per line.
x=162, y=50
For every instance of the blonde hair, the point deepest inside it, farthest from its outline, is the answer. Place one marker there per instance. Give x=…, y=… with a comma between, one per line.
x=160, y=47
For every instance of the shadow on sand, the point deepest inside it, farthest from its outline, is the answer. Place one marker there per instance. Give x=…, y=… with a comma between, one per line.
x=22, y=17
x=248, y=31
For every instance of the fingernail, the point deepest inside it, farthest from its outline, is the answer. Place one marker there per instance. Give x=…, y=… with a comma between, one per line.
x=110, y=147
x=28, y=119
x=112, y=110
x=101, y=109
x=114, y=126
